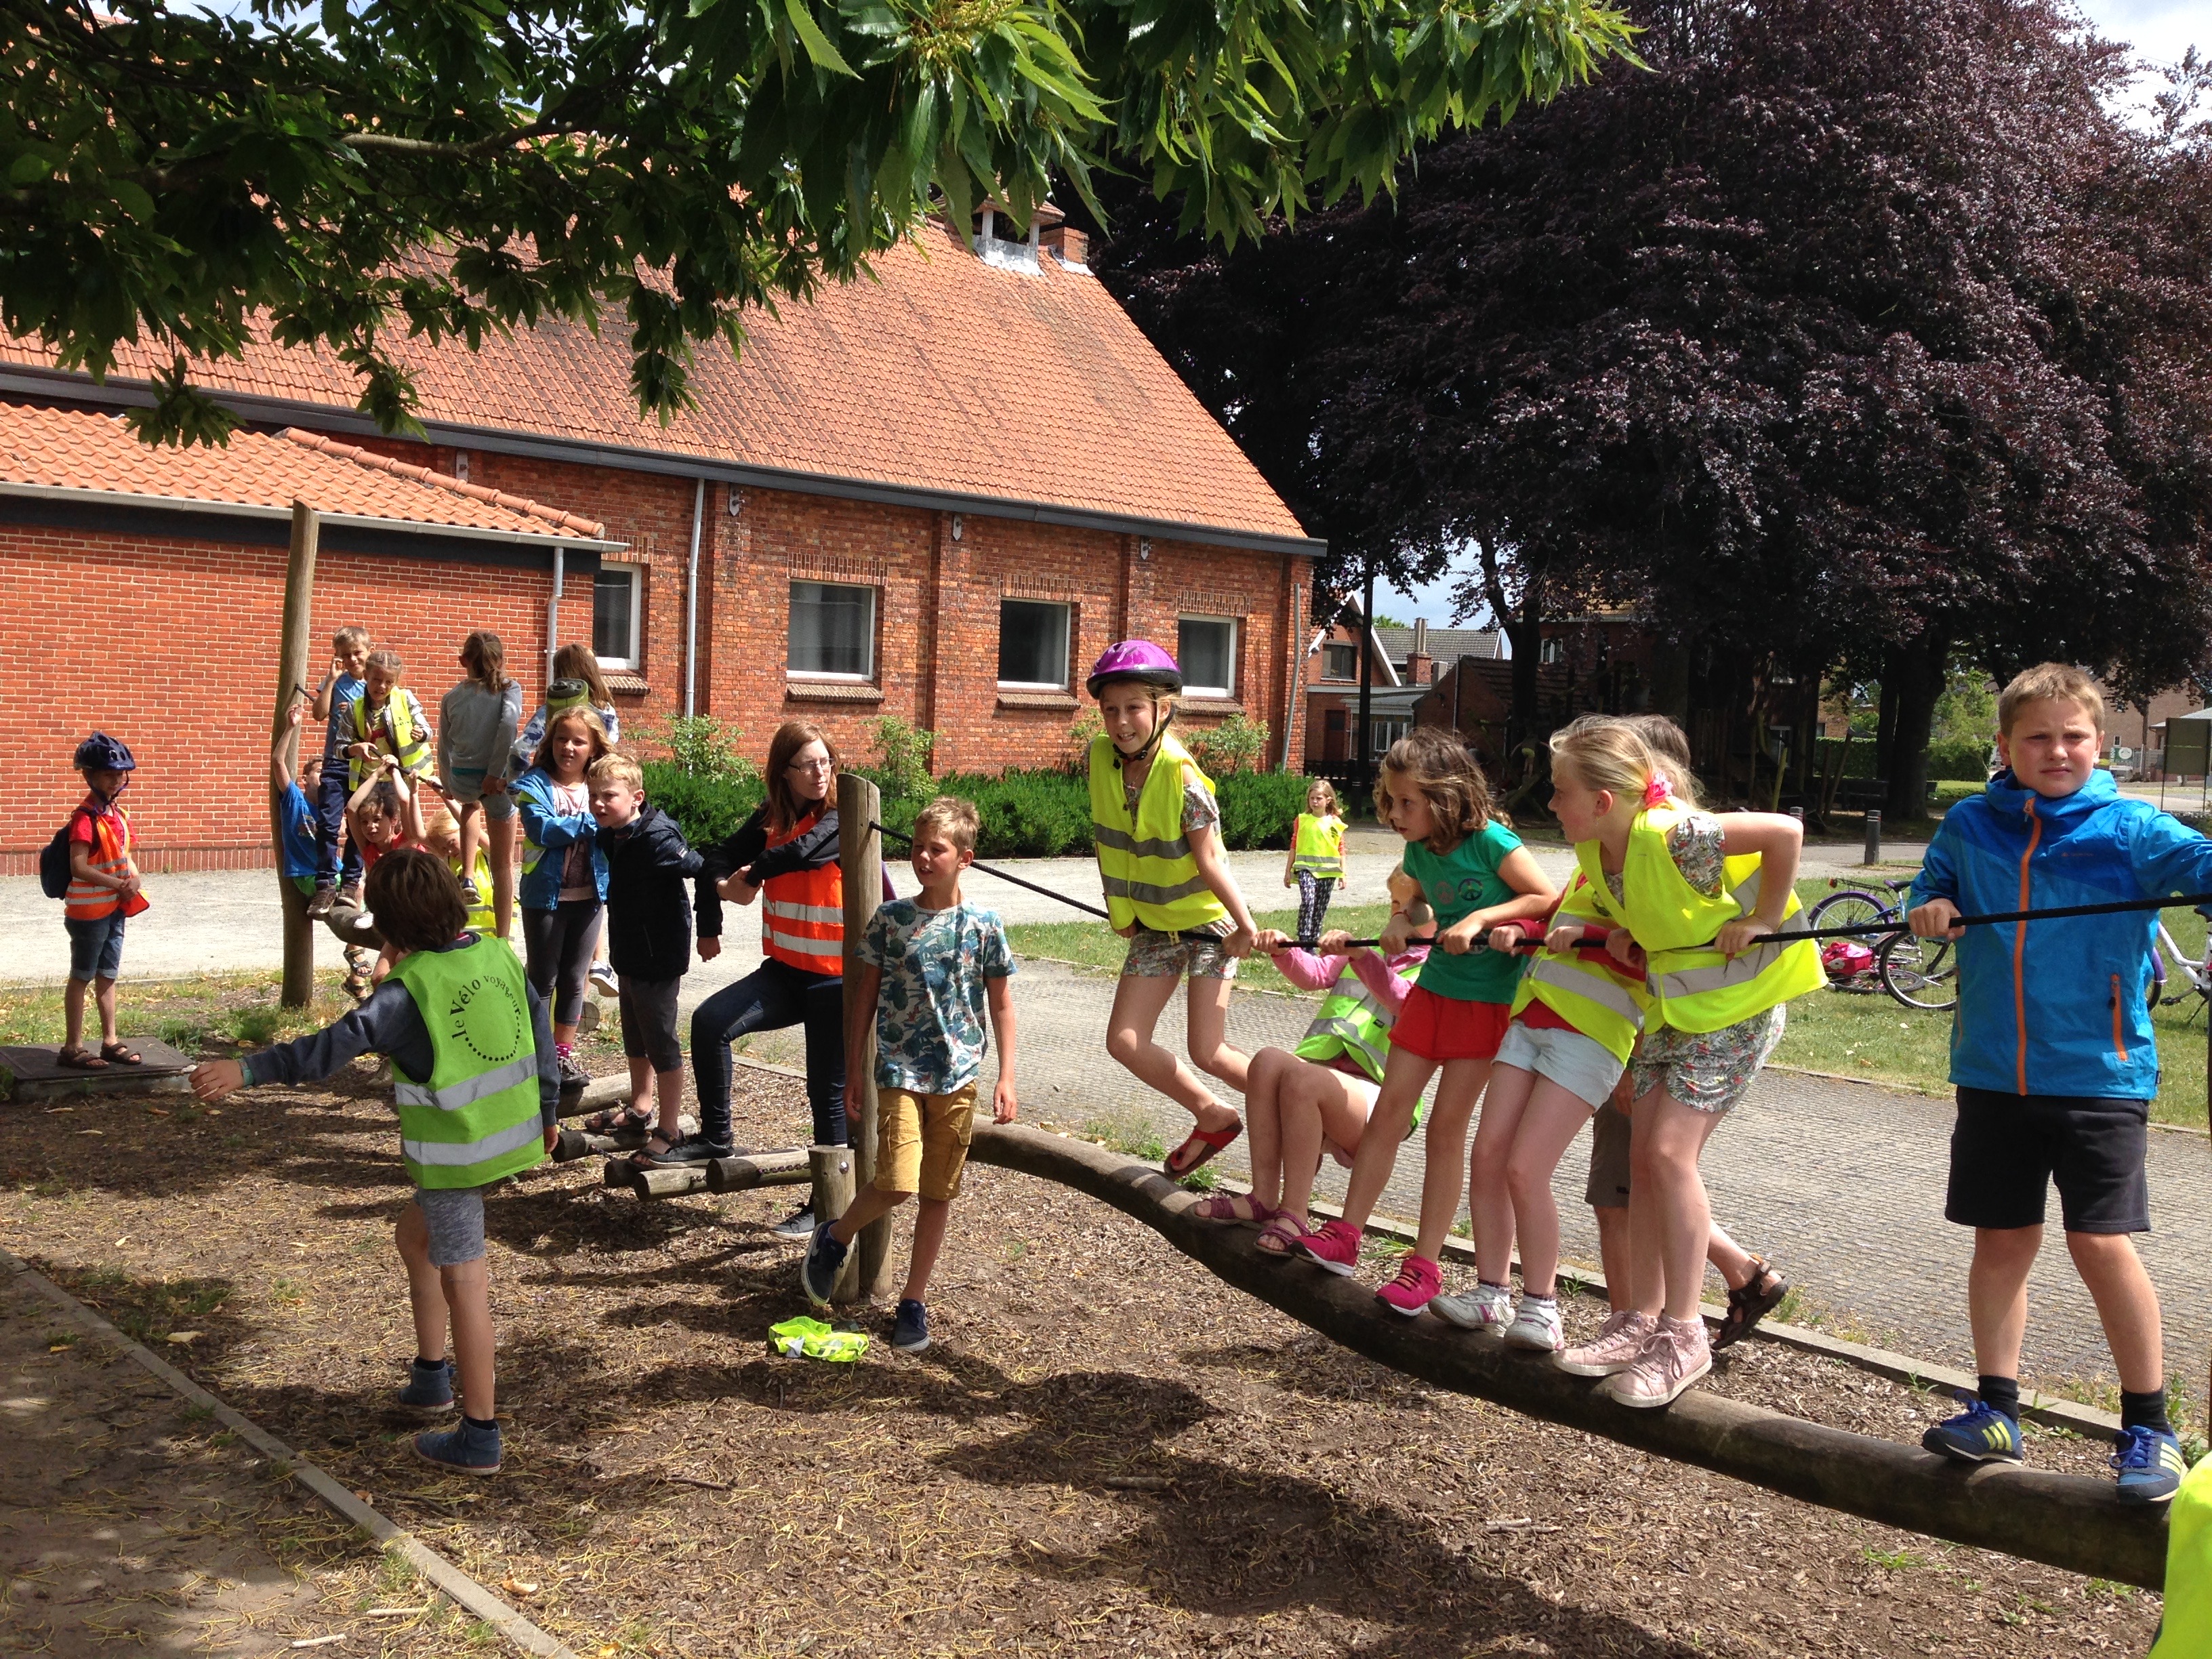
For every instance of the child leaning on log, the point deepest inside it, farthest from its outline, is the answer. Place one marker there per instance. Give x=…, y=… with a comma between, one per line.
x=472, y=1053
x=929, y=965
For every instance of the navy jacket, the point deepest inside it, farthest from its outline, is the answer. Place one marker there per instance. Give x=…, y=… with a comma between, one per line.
x=648, y=906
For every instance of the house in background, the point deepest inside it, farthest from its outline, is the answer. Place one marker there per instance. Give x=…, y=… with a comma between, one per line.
x=1408, y=662
x=862, y=517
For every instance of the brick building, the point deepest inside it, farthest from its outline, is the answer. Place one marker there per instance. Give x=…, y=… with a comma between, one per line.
x=938, y=495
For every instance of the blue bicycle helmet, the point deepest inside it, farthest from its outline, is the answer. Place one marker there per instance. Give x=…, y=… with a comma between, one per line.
x=101, y=753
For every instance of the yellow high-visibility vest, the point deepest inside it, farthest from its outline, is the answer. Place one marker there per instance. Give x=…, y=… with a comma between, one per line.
x=2185, y=1632
x=1600, y=1005
x=1318, y=845
x=1149, y=874
x=1692, y=987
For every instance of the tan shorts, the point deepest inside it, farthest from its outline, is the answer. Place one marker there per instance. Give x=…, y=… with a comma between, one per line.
x=921, y=1141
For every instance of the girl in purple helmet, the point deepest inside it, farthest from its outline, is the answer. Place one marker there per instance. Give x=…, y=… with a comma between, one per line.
x=1169, y=891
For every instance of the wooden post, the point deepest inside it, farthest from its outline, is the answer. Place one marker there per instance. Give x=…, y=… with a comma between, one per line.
x=861, y=860
x=291, y=677
x=831, y=1168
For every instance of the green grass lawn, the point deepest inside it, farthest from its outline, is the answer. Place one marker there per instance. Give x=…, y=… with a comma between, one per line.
x=221, y=1012
x=1863, y=1035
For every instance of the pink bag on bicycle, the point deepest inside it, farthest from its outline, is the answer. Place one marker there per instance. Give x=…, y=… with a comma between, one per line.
x=1846, y=958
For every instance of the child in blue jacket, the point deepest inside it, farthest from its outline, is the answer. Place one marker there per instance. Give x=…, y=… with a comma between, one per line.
x=2051, y=1053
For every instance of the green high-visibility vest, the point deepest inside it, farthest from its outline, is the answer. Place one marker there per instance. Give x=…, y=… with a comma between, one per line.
x=1149, y=874
x=2185, y=1632
x=1318, y=844
x=476, y=1119
x=1579, y=989
x=410, y=745
x=1694, y=988
x=1352, y=1022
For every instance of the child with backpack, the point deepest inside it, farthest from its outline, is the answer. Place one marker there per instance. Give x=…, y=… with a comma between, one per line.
x=98, y=887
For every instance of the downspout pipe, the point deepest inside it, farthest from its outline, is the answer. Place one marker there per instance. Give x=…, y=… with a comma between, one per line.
x=553, y=609
x=691, y=603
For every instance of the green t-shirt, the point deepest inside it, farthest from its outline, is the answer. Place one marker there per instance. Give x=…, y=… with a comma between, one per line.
x=1456, y=883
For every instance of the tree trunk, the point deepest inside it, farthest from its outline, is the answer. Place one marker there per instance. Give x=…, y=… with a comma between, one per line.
x=1523, y=622
x=2064, y=1521
x=1885, y=724
x=1917, y=671
x=1363, y=749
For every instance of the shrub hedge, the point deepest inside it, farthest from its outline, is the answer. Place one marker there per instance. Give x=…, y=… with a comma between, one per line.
x=1024, y=814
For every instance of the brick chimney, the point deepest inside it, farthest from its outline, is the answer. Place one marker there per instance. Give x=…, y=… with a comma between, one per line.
x=1420, y=667
x=1068, y=246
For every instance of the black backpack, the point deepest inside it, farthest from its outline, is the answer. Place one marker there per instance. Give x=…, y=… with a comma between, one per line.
x=54, y=862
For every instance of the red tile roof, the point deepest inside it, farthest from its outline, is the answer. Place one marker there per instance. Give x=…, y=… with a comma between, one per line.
x=943, y=374
x=77, y=449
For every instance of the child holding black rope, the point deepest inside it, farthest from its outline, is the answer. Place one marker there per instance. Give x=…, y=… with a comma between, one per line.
x=2052, y=1054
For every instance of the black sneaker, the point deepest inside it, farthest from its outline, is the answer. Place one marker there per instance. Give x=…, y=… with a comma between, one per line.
x=429, y=1390
x=910, y=1329
x=682, y=1153
x=799, y=1225
x=824, y=1259
x=464, y=1448
x=319, y=905
x=573, y=1074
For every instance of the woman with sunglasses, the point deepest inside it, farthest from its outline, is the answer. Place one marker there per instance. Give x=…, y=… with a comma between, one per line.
x=786, y=856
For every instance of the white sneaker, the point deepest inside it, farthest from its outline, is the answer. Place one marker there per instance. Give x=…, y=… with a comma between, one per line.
x=1481, y=1308
x=1536, y=1325
x=603, y=980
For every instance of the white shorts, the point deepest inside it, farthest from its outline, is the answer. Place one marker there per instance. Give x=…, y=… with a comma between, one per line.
x=1581, y=1065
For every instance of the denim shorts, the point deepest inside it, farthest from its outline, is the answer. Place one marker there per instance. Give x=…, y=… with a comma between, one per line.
x=455, y=1217
x=464, y=787
x=1581, y=1065
x=96, y=945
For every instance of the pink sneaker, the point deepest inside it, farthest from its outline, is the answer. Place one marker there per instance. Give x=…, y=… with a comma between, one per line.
x=1616, y=1345
x=1416, y=1285
x=1334, y=1245
x=1676, y=1355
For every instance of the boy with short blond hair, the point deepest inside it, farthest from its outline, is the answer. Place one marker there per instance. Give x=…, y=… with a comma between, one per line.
x=932, y=962
x=2052, y=1053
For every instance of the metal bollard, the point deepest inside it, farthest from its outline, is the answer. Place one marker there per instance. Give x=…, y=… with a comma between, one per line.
x=1873, y=836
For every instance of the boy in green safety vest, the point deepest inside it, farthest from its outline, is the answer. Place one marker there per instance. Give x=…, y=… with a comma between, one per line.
x=477, y=1094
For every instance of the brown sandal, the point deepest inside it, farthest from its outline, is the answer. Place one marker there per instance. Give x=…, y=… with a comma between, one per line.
x=120, y=1053
x=1749, y=1304
x=79, y=1058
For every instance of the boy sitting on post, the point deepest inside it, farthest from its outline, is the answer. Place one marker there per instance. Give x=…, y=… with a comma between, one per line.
x=930, y=964
x=472, y=1052
x=2052, y=1055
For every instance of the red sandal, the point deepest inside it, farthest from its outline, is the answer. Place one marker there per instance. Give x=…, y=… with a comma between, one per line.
x=1208, y=1141
x=1232, y=1208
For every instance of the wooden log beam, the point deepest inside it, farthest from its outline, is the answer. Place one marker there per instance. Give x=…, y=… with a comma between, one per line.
x=2063, y=1521
x=831, y=1170
x=788, y=1168
x=600, y=1092
x=292, y=675
x=860, y=864
x=621, y=1173
x=583, y=1143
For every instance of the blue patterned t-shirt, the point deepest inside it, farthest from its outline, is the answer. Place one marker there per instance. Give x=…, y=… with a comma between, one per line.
x=929, y=1034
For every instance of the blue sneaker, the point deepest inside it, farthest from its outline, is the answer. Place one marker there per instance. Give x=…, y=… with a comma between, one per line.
x=1982, y=1434
x=429, y=1390
x=2150, y=1466
x=910, y=1330
x=464, y=1448
x=818, y=1273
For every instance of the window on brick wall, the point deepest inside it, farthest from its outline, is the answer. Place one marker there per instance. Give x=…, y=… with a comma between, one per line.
x=1206, y=651
x=1340, y=662
x=617, y=614
x=833, y=631
x=1032, y=645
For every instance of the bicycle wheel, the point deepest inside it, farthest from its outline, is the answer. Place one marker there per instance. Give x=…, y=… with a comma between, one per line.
x=1920, y=973
x=1851, y=906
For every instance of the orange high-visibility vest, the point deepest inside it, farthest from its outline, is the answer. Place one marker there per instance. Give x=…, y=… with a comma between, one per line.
x=803, y=913
x=110, y=855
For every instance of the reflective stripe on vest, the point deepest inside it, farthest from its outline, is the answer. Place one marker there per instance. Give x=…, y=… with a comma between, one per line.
x=1316, y=847
x=2185, y=1631
x=476, y=1119
x=110, y=855
x=803, y=911
x=1694, y=987
x=399, y=736
x=1145, y=866
x=1353, y=1023
x=1582, y=990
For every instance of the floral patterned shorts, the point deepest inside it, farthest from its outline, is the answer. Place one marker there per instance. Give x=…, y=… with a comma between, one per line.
x=1155, y=955
x=1706, y=1071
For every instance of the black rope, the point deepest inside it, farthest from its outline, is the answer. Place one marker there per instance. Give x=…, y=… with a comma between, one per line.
x=2186, y=900
x=1045, y=892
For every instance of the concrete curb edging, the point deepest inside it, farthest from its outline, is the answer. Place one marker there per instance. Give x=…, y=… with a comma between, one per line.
x=447, y=1579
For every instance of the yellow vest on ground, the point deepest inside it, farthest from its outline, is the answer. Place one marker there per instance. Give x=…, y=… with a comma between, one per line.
x=1692, y=987
x=1149, y=874
x=1577, y=986
x=1318, y=845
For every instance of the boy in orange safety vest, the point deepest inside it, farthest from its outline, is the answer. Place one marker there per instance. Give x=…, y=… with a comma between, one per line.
x=103, y=891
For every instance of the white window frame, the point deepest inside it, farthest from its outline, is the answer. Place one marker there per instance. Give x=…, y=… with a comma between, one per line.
x=1230, y=623
x=1067, y=639
x=868, y=674
x=628, y=662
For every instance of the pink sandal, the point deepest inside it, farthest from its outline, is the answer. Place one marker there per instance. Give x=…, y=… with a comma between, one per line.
x=1281, y=1235
x=1230, y=1208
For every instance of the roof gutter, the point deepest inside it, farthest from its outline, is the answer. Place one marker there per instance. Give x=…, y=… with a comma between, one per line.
x=22, y=379
x=255, y=510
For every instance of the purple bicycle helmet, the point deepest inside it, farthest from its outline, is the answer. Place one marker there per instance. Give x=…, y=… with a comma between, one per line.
x=1135, y=660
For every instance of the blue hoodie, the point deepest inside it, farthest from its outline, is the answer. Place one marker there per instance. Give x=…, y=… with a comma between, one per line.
x=2057, y=1007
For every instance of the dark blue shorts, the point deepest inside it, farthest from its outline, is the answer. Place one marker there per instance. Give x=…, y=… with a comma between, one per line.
x=96, y=946
x=2007, y=1150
